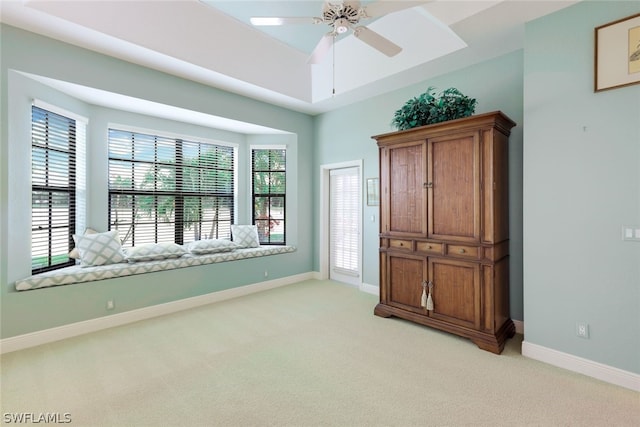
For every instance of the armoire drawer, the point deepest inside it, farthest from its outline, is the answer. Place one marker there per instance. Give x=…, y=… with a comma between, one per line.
x=401, y=244
x=430, y=247
x=463, y=250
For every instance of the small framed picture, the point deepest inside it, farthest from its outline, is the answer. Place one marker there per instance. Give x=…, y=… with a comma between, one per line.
x=373, y=192
x=617, y=53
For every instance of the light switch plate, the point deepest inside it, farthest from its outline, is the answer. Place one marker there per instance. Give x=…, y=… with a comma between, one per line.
x=631, y=233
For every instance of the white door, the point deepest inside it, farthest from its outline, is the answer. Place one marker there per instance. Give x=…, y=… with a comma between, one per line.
x=345, y=225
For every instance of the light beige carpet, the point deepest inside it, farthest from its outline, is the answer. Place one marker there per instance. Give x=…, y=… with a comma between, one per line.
x=309, y=354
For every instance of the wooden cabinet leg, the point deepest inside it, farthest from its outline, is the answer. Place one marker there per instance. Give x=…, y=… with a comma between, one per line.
x=382, y=311
x=495, y=344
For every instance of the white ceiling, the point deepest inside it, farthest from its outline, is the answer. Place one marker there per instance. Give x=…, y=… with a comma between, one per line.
x=212, y=42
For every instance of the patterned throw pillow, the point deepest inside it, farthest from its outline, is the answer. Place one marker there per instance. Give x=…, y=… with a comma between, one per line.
x=154, y=251
x=99, y=248
x=211, y=246
x=75, y=253
x=246, y=236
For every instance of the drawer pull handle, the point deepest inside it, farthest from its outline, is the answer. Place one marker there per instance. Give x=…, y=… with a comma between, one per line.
x=429, y=247
x=401, y=244
x=462, y=251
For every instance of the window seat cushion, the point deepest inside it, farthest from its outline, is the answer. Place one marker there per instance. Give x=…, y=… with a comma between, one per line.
x=78, y=274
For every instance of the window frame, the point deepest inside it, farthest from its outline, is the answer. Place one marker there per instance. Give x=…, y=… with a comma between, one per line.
x=54, y=117
x=268, y=195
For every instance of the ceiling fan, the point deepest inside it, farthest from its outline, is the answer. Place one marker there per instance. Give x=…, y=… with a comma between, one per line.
x=342, y=16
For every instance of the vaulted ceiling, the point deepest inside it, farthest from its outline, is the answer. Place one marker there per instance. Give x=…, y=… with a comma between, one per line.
x=213, y=42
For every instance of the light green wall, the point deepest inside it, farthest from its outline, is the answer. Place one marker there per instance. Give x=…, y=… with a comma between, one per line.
x=345, y=134
x=24, y=312
x=581, y=184
x=574, y=181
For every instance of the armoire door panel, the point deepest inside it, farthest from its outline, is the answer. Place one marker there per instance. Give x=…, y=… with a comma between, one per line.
x=454, y=187
x=455, y=291
x=407, y=193
x=406, y=275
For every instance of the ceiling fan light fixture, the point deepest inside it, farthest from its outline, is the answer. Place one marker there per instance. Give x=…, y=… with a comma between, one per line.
x=341, y=25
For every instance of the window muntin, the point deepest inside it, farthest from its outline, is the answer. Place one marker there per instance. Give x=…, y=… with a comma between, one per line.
x=164, y=189
x=268, y=184
x=53, y=189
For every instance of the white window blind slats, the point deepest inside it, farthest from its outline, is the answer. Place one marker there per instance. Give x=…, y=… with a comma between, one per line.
x=50, y=168
x=160, y=188
x=52, y=130
x=53, y=189
x=344, y=211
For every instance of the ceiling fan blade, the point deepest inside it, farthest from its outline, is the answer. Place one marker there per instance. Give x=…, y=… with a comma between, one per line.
x=271, y=21
x=321, y=49
x=384, y=7
x=355, y=4
x=376, y=41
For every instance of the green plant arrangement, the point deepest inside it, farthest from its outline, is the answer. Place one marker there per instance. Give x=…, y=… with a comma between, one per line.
x=427, y=108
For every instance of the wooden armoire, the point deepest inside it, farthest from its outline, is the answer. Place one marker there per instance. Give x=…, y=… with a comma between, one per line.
x=444, y=227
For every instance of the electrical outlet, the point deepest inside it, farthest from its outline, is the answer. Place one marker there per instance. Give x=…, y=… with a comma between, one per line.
x=582, y=329
x=111, y=304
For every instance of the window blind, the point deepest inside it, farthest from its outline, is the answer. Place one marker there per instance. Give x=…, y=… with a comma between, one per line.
x=344, y=210
x=164, y=189
x=53, y=189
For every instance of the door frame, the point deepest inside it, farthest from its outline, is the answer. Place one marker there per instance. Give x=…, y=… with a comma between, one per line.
x=324, y=230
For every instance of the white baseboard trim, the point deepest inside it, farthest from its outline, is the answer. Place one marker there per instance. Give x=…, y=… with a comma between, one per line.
x=519, y=324
x=318, y=276
x=370, y=289
x=364, y=287
x=577, y=364
x=80, y=328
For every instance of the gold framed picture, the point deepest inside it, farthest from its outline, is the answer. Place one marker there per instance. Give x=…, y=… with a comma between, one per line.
x=617, y=53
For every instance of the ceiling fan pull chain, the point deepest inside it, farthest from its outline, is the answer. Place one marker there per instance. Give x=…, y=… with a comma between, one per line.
x=333, y=93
